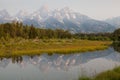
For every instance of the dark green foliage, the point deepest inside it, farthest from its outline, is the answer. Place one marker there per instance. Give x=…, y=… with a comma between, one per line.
x=116, y=46
x=32, y=32
x=108, y=75
x=84, y=78
x=116, y=35
x=94, y=36
x=16, y=29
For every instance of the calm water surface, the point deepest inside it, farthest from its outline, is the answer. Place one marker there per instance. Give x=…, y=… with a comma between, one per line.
x=58, y=66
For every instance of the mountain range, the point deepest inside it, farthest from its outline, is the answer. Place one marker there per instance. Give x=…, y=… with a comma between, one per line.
x=63, y=18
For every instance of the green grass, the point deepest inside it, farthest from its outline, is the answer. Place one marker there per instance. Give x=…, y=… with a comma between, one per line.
x=18, y=47
x=84, y=78
x=108, y=75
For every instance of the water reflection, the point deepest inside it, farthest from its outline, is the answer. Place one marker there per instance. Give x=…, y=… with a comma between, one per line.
x=56, y=60
x=66, y=66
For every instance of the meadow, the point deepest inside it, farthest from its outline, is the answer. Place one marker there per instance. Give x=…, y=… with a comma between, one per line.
x=107, y=75
x=20, y=46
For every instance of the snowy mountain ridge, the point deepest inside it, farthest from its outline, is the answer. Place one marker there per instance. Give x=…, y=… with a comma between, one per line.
x=64, y=18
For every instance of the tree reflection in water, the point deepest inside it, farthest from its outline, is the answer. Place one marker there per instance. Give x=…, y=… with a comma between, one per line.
x=58, y=60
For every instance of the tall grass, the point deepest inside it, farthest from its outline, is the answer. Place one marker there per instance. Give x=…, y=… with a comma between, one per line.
x=108, y=75
x=38, y=46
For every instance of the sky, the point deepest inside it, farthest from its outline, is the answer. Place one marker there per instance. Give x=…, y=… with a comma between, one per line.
x=97, y=9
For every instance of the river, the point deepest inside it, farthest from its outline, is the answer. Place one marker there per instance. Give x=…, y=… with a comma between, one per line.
x=58, y=66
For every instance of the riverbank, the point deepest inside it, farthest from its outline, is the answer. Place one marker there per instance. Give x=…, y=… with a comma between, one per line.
x=18, y=46
x=108, y=75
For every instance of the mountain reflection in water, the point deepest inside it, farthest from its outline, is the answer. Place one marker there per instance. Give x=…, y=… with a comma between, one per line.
x=68, y=67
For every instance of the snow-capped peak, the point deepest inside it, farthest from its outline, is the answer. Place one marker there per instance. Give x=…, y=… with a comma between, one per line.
x=63, y=18
x=64, y=13
x=44, y=13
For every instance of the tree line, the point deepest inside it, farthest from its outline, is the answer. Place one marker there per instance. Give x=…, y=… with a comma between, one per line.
x=116, y=35
x=94, y=36
x=17, y=29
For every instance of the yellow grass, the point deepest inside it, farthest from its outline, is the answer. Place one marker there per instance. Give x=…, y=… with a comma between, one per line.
x=32, y=47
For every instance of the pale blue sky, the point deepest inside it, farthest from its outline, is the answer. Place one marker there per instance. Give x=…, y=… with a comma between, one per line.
x=97, y=9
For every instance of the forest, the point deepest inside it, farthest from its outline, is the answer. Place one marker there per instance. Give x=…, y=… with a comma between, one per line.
x=17, y=39
x=17, y=29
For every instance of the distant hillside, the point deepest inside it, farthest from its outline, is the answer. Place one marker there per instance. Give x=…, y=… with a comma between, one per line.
x=59, y=19
x=114, y=21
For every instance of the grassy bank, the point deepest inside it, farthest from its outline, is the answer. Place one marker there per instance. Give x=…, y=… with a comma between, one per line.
x=108, y=75
x=17, y=47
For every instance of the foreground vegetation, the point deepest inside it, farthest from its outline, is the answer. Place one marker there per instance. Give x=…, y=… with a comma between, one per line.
x=20, y=46
x=17, y=39
x=111, y=74
x=108, y=75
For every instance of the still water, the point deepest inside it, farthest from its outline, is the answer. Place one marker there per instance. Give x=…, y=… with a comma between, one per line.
x=58, y=66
